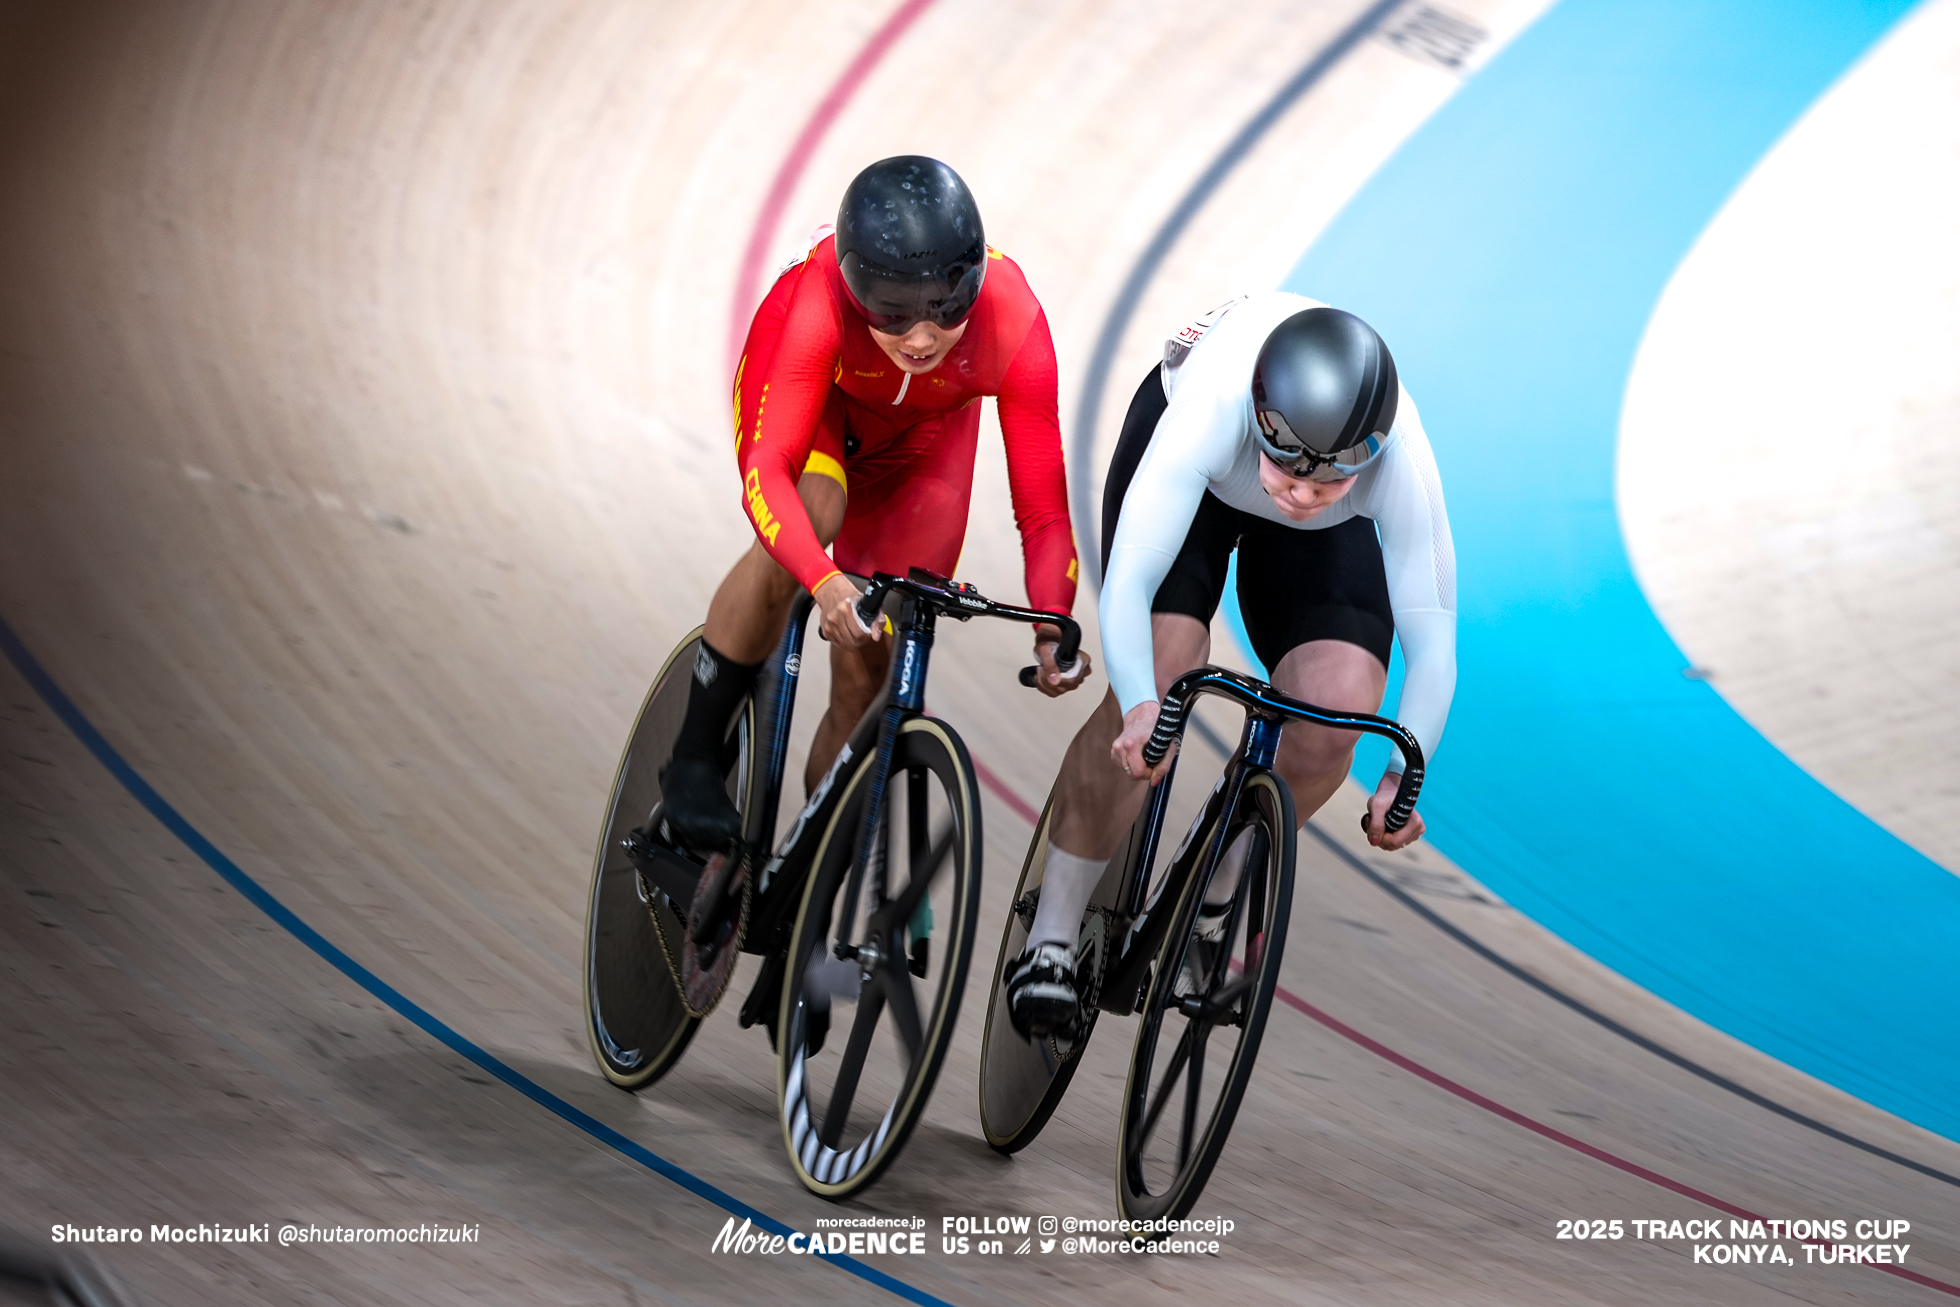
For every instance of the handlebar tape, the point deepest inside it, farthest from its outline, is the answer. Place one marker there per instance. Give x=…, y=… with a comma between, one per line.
x=1170, y=721
x=1030, y=675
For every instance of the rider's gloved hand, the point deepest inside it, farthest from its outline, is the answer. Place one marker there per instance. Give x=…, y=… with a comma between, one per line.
x=837, y=600
x=1373, y=823
x=1053, y=680
x=1128, y=749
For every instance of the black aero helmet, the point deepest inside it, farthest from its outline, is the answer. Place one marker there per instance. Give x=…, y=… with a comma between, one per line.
x=1323, y=394
x=909, y=244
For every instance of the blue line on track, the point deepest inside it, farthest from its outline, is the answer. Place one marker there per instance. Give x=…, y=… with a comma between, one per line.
x=139, y=789
x=1512, y=252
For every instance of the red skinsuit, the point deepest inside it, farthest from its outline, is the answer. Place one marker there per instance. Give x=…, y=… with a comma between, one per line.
x=812, y=378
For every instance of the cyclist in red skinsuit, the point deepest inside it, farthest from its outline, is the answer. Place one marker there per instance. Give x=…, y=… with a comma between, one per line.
x=814, y=393
x=857, y=417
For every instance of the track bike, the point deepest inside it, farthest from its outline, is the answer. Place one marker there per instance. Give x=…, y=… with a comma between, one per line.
x=1201, y=975
x=866, y=906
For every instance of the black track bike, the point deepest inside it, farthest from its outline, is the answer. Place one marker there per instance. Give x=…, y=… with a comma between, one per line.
x=1202, y=979
x=863, y=914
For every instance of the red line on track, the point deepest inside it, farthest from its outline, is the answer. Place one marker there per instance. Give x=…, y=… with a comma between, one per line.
x=771, y=213
x=1005, y=794
x=1557, y=1136
x=791, y=171
x=1491, y=1105
x=750, y=274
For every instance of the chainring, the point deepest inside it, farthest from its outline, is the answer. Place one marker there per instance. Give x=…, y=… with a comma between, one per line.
x=701, y=987
x=1091, y=962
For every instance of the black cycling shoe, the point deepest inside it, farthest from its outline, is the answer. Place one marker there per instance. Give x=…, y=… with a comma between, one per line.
x=1041, y=997
x=695, y=806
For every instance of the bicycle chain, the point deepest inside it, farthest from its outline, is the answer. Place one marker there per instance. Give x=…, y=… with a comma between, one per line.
x=700, y=990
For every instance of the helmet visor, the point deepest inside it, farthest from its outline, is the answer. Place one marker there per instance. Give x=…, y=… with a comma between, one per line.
x=895, y=302
x=1293, y=456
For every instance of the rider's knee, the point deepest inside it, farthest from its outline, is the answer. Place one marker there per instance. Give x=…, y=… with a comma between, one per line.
x=856, y=675
x=1307, y=750
x=824, y=501
x=766, y=576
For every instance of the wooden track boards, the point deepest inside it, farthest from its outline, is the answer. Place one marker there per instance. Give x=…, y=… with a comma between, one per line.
x=364, y=452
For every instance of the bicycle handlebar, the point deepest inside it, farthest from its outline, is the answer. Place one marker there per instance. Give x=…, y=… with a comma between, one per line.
x=1258, y=697
x=961, y=601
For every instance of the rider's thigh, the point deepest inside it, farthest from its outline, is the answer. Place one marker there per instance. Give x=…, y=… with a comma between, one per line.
x=910, y=496
x=824, y=499
x=1180, y=643
x=856, y=676
x=824, y=485
x=1330, y=674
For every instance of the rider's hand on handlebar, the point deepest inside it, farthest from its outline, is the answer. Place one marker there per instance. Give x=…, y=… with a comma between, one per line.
x=1052, y=680
x=1377, y=816
x=1128, y=749
x=837, y=599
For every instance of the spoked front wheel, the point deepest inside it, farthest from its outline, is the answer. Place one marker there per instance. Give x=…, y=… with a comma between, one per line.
x=861, y=1036
x=634, y=1016
x=1206, y=1009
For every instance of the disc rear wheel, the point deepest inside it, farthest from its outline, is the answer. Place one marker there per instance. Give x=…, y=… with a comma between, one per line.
x=635, y=1019
x=1023, y=1080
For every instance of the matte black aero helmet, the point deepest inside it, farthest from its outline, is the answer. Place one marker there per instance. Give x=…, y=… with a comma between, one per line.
x=1324, y=394
x=909, y=244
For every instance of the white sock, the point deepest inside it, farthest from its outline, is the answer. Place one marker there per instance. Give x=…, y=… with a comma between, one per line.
x=1066, y=884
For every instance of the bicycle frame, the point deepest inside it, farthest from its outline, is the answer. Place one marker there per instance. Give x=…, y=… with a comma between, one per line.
x=780, y=876
x=1267, y=712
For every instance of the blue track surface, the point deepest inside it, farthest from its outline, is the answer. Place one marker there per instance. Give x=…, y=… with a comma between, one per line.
x=1512, y=253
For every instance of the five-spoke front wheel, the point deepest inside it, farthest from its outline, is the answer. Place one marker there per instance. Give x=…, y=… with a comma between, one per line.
x=1206, y=1009
x=877, y=963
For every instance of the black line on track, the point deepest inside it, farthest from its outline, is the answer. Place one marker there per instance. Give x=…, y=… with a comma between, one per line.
x=1592, y=1014
x=1154, y=254
x=1585, y=1010
x=1082, y=447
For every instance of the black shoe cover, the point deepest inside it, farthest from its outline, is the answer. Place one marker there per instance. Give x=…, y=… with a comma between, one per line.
x=696, y=807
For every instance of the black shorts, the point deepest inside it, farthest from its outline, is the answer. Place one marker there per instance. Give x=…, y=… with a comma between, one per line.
x=1294, y=585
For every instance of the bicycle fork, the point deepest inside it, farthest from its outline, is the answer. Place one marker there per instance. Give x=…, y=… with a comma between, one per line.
x=907, y=699
x=1128, y=981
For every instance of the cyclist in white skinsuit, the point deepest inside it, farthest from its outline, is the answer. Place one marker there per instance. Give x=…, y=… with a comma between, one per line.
x=1278, y=426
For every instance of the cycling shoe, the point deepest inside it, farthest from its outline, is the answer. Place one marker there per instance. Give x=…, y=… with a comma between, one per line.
x=696, y=808
x=1041, y=997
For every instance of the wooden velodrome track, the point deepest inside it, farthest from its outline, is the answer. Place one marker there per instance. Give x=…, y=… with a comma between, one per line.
x=363, y=375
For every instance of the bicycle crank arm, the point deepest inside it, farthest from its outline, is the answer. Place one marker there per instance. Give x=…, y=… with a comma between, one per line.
x=664, y=869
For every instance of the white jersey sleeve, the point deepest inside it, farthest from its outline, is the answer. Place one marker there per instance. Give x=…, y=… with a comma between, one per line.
x=1405, y=498
x=1163, y=497
x=1204, y=441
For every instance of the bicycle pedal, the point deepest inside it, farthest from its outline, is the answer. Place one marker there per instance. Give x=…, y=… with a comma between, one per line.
x=921, y=957
x=761, y=1003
